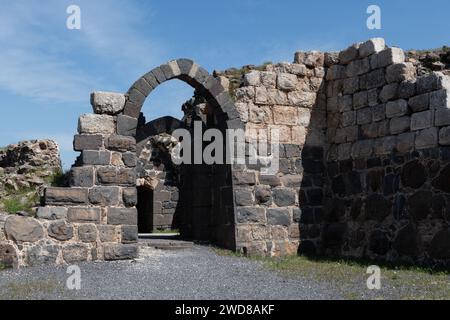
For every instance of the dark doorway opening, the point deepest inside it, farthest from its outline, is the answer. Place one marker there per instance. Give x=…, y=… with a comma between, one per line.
x=145, y=210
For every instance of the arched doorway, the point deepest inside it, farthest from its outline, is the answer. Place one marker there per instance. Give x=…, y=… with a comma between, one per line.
x=204, y=206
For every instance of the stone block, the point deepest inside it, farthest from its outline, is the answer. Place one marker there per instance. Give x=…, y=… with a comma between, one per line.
x=385, y=145
x=440, y=99
x=95, y=123
x=335, y=72
x=275, y=96
x=444, y=136
x=360, y=99
x=51, y=213
x=244, y=178
x=284, y=197
x=116, y=176
x=87, y=142
x=252, y=78
x=121, y=143
x=428, y=83
x=82, y=177
x=400, y=72
x=129, y=234
x=396, y=108
x=87, y=232
x=279, y=216
x=442, y=117
x=405, y=142
x=364, y=116
x=23, y=229
x=345, y=103
x=389, y=92
x=104, y=196
x=66, y=195
x=263, y=195
x=357, y=67
x=268, y=79
x=371, y=46
x=84, y=214
x=107, y=102
x=129, y=197
x=390, y=56
x=244, y=197
x=419, y=103
x=126, y=126
x=41, y=254
x=270, y=180
x=251, y=215
x=287, y=81
x=92, y=157
x=349, y=54
x=351, y=85
x=122, y=216
x=129, y=159
x=427, y=138
x=406, y=89
x=399, y=124
x=60, y=230
x=312, y=59
x=375, y=79
x=75, y=253
x=348, y=118
x=370, y=131
x=285, y=115
x=421, y=120
x=107, y=233
x=362, y=149
x=8, y=256
x=120, y=251
x=379, y=112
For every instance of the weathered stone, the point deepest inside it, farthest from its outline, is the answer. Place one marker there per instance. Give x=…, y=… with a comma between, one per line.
x=405, y=142
x=126, y=126
x=87, y=232
x=107, y=102
x=348, y=118
x=420, y=204
x=60, y=230
x=116, y=176
x=349, y=54
x=251, y=215
x=419, y=103
x=80, y=214
x=279, y=216
x=39, y=255
x=302, y=99
x=440, y=99
x=284, y=197
x=364, y=116
x=422, y=120
x=442, y=181
x=375, y=79
x=389, y=92
x=129, y=196
x=66, y=195
x=87, y=142
x=400, y=124
x=51, y=213
x=244, y=197
x=428, y=83
x=271, y=180
x=362, y=148
x=252, y=78
x=311, y=59
x=107, y=233
x=120, y=251
x=379, y=242
x=8, y=256
x=94, y=123
x=121, y=143
x=357, y=67
x=91, y=157
x=287, y=81
x=400, y=72
x=406, y=89
x=129, y=234
x=285, y=115
x=268, y=79
x=125, y=216
x=442, y=117
x=335, y=72
x=104, y=196
x=371, y=46
x=444, y=136
x=351, y=85
x=370, y=131
x=82, y=176
x=75, y=253
x=396, y=108
x=263, y=195
x=390, y=56
x=23, y=229
x=377, y=207
x=406, y=243
x=413, y=174
x=427, y=138
x=241, y=178
x=129, y=159
x=360, y=99
x=333, y=234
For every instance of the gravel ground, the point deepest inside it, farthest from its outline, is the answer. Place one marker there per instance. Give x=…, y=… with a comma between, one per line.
x=197, y=273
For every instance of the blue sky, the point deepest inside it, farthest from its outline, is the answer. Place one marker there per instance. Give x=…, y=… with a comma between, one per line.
x=47, y=71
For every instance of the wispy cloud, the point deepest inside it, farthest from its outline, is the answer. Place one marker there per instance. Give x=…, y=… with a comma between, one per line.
x=43, y=60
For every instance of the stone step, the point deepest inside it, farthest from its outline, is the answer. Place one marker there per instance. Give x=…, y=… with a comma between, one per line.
x=164, y=241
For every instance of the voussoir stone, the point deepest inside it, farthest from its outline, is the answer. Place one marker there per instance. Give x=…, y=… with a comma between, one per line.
x=107, y=102
x=23, y=229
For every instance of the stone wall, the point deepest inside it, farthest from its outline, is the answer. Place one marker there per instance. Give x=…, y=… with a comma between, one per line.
x=363, y=170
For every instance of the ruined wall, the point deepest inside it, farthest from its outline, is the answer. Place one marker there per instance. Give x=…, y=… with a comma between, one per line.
x=388, y=163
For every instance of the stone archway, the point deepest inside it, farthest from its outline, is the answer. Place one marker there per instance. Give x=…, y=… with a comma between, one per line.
x=208, y=207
